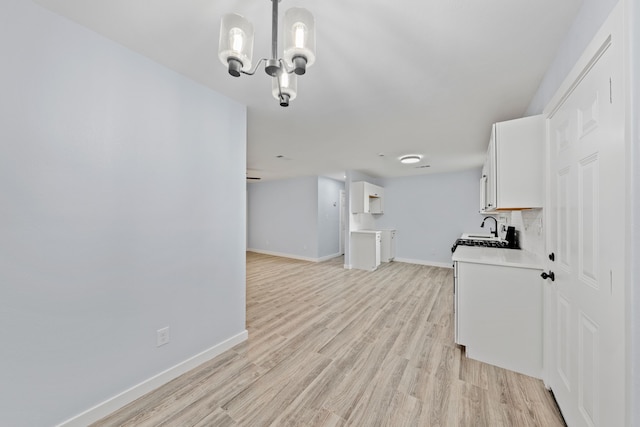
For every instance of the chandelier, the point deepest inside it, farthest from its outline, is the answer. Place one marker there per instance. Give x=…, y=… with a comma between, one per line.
x=236, y=48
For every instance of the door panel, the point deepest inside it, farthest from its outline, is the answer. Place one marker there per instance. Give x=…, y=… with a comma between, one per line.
x=563, y=343
x=586, y=366
x=588, y=221
x=588, y=370
x=588, y=115
x=563, y=232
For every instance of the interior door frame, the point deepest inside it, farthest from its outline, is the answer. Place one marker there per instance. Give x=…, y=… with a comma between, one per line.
x=343, y=223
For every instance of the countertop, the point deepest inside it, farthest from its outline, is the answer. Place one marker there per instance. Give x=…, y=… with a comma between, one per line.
x=495, y=256
x=366, y=231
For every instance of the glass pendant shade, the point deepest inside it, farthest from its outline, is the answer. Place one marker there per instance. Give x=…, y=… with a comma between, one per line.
x=288, y=87
x=299, y=29
x=236, y=43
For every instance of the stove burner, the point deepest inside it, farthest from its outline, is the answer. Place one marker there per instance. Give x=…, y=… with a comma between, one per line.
x=481, y=243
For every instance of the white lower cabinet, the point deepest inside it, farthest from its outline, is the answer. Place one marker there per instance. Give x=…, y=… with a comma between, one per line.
x=387, y=245
x=498, y=313
x=365, y=250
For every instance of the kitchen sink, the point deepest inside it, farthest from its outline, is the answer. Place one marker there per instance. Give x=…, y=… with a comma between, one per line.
x=477, y=236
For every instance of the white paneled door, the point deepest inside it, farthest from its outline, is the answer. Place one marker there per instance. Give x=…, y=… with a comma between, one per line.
x=585, y=304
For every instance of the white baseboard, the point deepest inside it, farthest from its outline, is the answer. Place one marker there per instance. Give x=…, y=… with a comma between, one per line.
x=302, y=258
x=111, y=405
x=423, y=262
x=328, y=257
x=349, y=266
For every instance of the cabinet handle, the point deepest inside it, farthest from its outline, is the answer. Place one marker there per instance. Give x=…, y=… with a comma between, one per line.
x=549, y=275
x=552, y=256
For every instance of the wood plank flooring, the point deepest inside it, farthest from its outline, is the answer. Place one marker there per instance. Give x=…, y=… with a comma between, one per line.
x=335, y=347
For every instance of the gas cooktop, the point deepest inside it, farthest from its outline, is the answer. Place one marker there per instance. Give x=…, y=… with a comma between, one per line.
x=485, y=243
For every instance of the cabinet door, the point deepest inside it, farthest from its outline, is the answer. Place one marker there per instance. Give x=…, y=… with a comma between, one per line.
x=378, y=241
x=518, y=146
x=500, y=316
x=483, y=189
x=359, y=201
x=491, y=196
x=366, y=198
x=365, y=251
x=375, y=196
x=373, y=190
x=456, y=337
x=387, y=245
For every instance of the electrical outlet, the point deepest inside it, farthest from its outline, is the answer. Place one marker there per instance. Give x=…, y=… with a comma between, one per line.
x=162, y=336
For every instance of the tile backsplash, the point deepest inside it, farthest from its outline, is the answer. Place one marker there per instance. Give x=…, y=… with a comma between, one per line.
x=530, y=226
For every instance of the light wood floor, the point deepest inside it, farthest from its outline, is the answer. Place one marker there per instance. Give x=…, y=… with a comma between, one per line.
x=335, y=347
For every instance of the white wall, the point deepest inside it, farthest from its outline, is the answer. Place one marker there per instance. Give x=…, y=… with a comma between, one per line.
x=590, y=18
x=122, y=206
x=295, y=217
x=430, y=212
x=283, y=216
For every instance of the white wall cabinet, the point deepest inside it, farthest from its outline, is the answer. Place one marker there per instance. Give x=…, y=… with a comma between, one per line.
x=498, y=315
x=512, y=173
x=388, y=245
x=366, y=198
x=365, y=250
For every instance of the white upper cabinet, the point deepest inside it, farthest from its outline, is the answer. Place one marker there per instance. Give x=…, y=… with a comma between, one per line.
x=512, y=173
x=366, y=198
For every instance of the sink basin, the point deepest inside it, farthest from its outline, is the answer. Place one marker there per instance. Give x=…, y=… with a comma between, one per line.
x=479, y=236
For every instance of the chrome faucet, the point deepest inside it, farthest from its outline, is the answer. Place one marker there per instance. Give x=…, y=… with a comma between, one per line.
x=495, y=232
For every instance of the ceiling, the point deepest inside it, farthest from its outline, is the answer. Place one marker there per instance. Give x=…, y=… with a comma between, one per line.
x=391, y=78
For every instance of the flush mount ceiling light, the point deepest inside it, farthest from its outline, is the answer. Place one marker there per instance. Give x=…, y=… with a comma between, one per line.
x=236, y=48
x=412, y=158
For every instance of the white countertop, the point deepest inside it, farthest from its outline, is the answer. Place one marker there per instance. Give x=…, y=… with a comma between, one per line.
x=495, y=256
x=366, y=231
